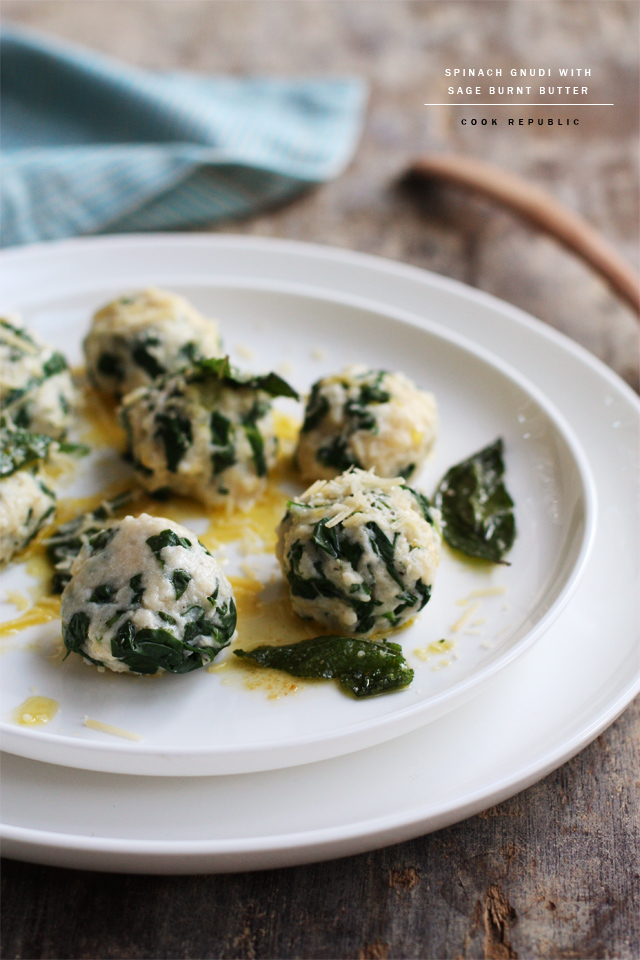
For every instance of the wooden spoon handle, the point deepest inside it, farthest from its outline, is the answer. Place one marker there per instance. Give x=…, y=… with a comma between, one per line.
x=541, y=209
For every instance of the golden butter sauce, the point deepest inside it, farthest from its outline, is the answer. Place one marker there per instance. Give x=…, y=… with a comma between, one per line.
x=35, y=711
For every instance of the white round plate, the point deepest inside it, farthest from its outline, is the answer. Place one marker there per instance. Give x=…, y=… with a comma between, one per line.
x=203, y=723
x=542, y=709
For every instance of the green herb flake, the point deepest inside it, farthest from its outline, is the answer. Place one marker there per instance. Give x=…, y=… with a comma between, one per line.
x=146, y=360
x=222, y=437
x=175, y=432
x=100, y=540
x=19, y=448
x=104, y=593
x=423, y=504
x=167, y=538
x=364, y=668
x=55, y=364
x=74, y=449
x=221, y=369
x=76, y=631
x=137, y=590
x=477, y=510
x=180, y=580
x=109, y=365
x=114, y=619
x=316, y=409
x=256, y=442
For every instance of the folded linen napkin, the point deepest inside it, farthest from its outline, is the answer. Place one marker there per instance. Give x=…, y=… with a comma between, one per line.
x=90, y=145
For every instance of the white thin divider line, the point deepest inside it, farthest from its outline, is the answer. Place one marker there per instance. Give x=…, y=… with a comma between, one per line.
x=518, y=104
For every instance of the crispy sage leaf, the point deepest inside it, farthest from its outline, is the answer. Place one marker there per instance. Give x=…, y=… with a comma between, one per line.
x=221, y=369
x=363, y=667
x=477, y=511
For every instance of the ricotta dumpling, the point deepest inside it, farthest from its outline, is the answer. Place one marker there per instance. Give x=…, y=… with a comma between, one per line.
x=36, y=389
x=145, y=596
x=145, y=335
x=207, y=432
x=26, y=502
x=359, y=553
x=26, y=505
x=369, y=419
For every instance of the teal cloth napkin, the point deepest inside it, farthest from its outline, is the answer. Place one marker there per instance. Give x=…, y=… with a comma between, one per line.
x=90, y=145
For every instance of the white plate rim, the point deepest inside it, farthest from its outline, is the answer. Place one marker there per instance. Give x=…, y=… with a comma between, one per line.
x=414, y=822
x=37, y=744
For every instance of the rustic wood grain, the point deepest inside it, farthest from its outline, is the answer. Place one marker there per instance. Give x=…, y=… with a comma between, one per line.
x=553, y=872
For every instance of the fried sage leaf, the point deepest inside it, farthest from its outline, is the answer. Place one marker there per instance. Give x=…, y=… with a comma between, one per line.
x=363, y=667
x=477, y=511
x=221, y=369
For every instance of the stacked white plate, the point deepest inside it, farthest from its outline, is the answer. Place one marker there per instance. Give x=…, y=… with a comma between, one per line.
x=225, y=778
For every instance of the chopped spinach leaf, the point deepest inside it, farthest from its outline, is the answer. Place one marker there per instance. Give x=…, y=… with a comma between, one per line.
x=337, y=543
x=18, y=331
x=256, y=442
x=59, y=580
x=180, y=580
x=114, y=619
x=55, y=364
x=338, y=454
x=74, y=449
x=221, y=629
x=220, y=368
x=100, y=540
x=111, y=366
x=19, y=448
x=385, y=549
x=477, y=511
x=316, y=409
x=174, y=430
x=362, y=667
x=167, y=538
x=372, y=392
x=190, y=351
x=222, y=437
x=103, y=593
x=320, y=586
x=137, y=590
x=76, y=631
x=145, y=359
x=147, y=650
x=423, y=503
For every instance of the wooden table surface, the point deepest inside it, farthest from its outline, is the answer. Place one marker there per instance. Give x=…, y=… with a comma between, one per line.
x=554, y=871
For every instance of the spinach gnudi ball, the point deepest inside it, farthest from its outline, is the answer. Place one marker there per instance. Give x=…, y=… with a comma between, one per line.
x=369, y=419
x=146, y=596
x=207, y=433
x=359, y=552
x=144, y=335
x=36, y=389
x=26, y=502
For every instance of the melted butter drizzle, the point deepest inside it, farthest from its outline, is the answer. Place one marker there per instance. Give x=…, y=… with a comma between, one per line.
x=265, y=615
x=103, y=427
x=35, y=711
